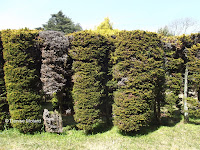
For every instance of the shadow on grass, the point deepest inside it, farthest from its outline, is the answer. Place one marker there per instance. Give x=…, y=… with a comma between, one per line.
x=101, y=128
x=194, y=120
x=173, y=120
x=153, y=126
x=143, y=131
x=69, y=124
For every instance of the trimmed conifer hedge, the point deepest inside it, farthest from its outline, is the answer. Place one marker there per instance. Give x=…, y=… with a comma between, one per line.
x=194, y=79
x=22, y=78
x=191, y=49
x=4, y=109
x=174, y=65
x=194, y=64
x=179, y=52
x=89, y=53
x=138, y=65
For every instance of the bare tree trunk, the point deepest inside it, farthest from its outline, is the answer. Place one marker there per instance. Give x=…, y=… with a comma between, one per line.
x=186, y=117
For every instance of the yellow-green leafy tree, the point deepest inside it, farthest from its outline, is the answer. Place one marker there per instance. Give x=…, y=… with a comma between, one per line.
x=106, y=28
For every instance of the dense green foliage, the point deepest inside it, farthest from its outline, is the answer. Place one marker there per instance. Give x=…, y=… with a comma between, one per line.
x=180, y=52
x=59, y=22
x=4, y=110
x=174, y=68
x=106, y=29
x=137, y=67
x=194, y=66
x=136, y=72
x=22, y=77
x=192, y=50
x=89, y=53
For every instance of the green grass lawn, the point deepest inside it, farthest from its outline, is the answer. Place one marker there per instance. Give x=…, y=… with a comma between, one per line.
x=180, y=136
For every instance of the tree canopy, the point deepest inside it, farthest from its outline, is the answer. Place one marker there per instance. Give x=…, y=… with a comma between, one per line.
x=60, y=22
x=165, y=31
x=106, y=28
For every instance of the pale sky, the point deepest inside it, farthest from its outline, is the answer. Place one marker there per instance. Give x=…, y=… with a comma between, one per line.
x=124, y=14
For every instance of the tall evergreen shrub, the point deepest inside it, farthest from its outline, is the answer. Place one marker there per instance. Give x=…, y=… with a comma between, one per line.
x=4, y=110
x=106, y=29
x=89, y=53
x=192, y=51
x=22, y=78
x=137, y=68
x=174, y=67
x=180, y=52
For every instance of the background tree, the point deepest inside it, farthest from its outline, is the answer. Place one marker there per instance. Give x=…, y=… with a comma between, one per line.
x=105, y=25
x=60, y=22
x=164, y=31
x=106, y=28
x=39, y=28
x=183, y=26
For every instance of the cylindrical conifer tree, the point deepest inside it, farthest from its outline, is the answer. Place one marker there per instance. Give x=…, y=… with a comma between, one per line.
x=89, y=53
x=4, y=110
x=137, y=66
x=21, y=57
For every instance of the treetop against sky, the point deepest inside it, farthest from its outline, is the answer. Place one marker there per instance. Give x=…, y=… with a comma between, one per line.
x=127, y=14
